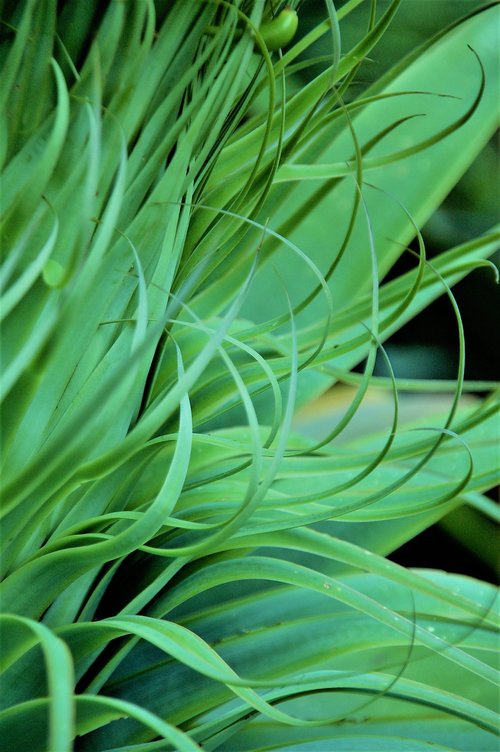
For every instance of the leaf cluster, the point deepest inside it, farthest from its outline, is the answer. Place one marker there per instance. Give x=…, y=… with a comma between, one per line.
x=193, y=247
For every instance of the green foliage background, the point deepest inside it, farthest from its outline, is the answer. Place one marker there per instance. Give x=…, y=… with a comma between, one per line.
x=196, y=245
x=464, y=540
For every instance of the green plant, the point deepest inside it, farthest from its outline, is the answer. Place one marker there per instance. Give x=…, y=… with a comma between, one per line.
x=195, y=247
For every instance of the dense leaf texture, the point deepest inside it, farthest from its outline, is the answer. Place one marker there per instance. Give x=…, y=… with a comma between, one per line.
x=193, y=245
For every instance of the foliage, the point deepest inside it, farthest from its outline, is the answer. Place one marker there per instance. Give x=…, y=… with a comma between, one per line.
x=194, y=247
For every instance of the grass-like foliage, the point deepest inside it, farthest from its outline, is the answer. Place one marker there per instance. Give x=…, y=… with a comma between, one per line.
x=195, y=243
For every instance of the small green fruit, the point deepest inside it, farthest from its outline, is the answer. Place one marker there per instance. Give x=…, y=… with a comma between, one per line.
x=279, y=31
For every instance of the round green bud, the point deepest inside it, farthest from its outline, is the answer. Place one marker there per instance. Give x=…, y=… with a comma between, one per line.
x=54, y=273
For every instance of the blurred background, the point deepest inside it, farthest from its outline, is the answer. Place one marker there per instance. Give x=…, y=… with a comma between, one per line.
x=464, y=541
